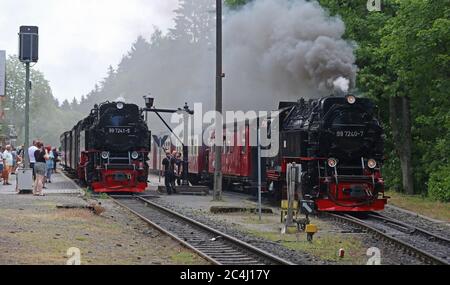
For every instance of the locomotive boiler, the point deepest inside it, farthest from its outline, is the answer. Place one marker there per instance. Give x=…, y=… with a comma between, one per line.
x=108, y=150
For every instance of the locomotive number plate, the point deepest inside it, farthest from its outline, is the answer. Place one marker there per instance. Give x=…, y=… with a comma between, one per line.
x=119, y=130
x=350, y=134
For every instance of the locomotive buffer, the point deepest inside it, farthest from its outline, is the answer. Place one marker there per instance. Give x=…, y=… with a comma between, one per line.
x=185, y=188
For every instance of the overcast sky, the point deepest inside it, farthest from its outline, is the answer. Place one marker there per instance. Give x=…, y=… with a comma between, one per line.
x=80, y=38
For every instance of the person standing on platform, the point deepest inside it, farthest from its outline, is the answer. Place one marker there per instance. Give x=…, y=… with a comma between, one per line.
x=49, y=165
x=15, y=161
x=173, y=163
x=20, y=157
x=55, y=159
x=179, y=164
x=7, y=164
x=168, y=173
x=31, y=150
x=20, y=151
x=41, y=157
x=1, y=162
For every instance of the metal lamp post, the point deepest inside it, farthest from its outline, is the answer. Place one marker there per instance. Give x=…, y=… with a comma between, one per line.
x=219, y=77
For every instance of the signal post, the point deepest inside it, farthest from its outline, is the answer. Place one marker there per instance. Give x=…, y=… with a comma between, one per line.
x=28, y=53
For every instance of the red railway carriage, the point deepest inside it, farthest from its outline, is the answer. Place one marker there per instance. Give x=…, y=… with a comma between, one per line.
x=198, y=159
x=239, y=159
x=108, y=149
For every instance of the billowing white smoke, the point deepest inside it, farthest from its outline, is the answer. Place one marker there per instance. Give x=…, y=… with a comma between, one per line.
x=282, y=50
x=342, y=84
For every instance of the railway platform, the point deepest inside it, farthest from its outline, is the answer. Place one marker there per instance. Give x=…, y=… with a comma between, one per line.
x=61, y=184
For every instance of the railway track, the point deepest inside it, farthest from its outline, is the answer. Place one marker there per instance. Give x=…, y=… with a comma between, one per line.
x=215, y=246
x=427, y=246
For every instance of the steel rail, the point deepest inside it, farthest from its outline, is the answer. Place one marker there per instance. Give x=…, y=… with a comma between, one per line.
x=415, y=229
x=410, y=248
x=238, y=245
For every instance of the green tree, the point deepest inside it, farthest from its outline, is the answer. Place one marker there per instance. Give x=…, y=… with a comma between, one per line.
x=403, y=59
x=236, y=3
x=194, y=21
x=47, y=120
x=416, y=42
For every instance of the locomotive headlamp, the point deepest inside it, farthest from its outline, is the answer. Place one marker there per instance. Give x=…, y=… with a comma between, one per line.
x=351, y=99
x=134, y=155
x=372, y=163
x=149, y=101
x=105, y=155
x=120, y=105
x=332, y=162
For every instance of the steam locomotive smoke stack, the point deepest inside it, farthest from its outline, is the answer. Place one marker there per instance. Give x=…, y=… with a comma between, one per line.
x=342, y=84
x=282, y=49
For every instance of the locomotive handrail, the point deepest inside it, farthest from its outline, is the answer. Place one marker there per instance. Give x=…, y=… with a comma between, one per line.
x=119, y=158
x=119, y=164
x=305, y=158
x=350, y=177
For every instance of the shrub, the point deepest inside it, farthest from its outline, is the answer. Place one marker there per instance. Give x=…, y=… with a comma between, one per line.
x=439, y=184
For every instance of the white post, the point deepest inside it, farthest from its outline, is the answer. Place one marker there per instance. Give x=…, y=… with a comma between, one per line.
x=290, y=192
x=160, y=148
x=259, y=174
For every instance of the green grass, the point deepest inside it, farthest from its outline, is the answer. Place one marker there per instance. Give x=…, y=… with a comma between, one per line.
x=323, y=247
x=103, y=196
x=88, y=193
x=183, y=258
x=421, y=205
x=81, y=239
x=252, y=218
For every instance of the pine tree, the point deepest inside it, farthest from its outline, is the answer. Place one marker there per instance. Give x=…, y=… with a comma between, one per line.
x=194, y=21
x=65, y=106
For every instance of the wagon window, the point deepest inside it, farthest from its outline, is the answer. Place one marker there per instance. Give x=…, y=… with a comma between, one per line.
x=243, y=141
x=196, y=146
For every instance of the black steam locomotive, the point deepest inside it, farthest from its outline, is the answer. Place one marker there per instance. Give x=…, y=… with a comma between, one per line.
x=108, y=149
x=338, y=142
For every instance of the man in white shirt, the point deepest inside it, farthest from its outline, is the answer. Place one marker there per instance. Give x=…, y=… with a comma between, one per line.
x=31, y=151
x=7, y=164
x=1, y=162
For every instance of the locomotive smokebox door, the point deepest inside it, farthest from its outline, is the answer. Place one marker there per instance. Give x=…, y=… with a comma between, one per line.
x=29, y=44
